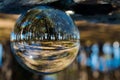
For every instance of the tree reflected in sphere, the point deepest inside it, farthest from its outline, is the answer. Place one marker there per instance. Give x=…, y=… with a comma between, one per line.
x=45, y=40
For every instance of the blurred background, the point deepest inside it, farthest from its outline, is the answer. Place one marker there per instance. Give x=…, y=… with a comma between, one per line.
x=98, y=57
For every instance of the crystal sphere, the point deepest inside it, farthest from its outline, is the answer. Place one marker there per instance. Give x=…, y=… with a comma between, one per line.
x=45, y=40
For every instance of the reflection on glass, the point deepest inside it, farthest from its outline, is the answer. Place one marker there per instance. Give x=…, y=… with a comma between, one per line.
x=1, y=54
x=45, y=40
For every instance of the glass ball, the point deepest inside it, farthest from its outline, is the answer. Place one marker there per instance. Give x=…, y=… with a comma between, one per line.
x=45, y=40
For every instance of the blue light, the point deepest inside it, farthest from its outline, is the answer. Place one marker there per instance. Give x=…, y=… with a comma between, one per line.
x=50, y=77
x=1, y=54
x=95, y=59
x=107, y=49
